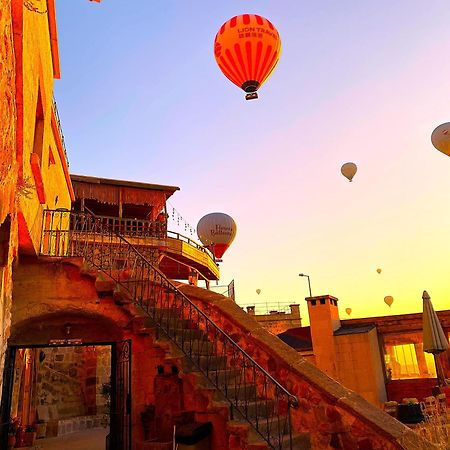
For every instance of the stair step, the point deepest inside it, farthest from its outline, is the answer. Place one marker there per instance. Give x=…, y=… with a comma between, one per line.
x=210, y=363
x=165, y=312
x=257, y=410
x=188, y=333
x=241, y=392
x=168, y=323
x=198, y=347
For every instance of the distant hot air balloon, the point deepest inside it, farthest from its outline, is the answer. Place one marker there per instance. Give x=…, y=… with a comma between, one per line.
x=258, y=291
x=217, y=232
x=247, y=49
x=348, y=310
x=379, y=270
x=440, y=138
x=349, y=170
x=389, y=300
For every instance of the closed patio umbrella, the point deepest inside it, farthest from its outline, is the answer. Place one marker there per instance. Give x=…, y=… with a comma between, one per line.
x=434, y=339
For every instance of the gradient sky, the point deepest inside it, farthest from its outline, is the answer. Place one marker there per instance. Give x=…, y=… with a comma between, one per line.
x=141, y=98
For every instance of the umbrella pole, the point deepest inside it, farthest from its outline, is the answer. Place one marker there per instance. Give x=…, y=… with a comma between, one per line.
x=439, y=371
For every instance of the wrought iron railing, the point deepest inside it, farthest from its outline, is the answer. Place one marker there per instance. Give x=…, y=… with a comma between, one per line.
x=135, y=227
x=253, y=394
x=61, y=134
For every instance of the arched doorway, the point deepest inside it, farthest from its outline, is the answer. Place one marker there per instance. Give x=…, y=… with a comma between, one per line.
x=68, y=371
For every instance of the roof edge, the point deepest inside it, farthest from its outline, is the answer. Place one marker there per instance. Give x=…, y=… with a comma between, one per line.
x=124, y=183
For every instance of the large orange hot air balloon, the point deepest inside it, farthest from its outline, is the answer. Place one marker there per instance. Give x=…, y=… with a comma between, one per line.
x=217, y=232
x=247, y=48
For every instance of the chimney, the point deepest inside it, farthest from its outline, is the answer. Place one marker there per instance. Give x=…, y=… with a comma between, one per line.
x=295, y=309
x=324, y=321
x=251, y=310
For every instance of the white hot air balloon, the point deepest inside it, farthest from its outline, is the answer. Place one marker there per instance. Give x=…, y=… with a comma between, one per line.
x=217, y=232
x=258, y=291
x=349, y=170
x=440, y=138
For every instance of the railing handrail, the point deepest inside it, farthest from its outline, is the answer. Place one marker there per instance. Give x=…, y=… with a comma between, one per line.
x=199, y=311
x=61, y=134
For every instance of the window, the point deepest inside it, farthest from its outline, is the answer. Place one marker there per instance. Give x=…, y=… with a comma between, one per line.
x=409, y=361
x=38, y=143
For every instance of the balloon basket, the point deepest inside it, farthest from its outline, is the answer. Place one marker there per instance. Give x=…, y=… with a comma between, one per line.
x=251, y=96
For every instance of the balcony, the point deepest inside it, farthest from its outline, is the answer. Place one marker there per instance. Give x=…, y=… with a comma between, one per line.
x=176, y=255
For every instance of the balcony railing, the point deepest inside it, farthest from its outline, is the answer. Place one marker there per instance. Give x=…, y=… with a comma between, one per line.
x=61, y=134
x=134, y=227
x=58, y=224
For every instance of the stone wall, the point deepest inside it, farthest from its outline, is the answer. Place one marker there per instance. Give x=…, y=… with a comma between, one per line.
x=8, y=171
x=61, y=381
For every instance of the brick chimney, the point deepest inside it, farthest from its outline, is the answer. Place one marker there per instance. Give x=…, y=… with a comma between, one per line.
x=324, y=321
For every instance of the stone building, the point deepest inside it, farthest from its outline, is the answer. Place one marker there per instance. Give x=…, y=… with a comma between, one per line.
x=381, y=358
x=95, y=291
x=278, y=321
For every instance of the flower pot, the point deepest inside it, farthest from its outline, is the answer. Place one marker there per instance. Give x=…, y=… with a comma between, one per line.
x=11, y=441
x=30, y=438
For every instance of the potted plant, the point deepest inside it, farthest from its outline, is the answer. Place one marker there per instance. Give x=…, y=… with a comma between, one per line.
x=30, y=436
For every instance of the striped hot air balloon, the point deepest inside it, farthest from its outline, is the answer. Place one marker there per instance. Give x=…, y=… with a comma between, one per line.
x=247, y=49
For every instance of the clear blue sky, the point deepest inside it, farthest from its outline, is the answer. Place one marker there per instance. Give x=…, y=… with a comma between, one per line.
x=141, y=98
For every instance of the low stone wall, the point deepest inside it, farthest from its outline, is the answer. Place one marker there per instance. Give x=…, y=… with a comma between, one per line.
x=328, y=411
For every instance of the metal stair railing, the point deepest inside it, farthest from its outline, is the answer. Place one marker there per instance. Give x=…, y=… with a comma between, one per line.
x=253, y=394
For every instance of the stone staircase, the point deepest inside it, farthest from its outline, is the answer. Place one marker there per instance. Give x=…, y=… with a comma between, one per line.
x=251, y=419
x=229, y=365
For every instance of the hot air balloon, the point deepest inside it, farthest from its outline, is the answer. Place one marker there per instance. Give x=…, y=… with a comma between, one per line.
x=440, y=138
x=389, y=300
x=217, y=232
x=348, y=310
x=247, y=49
x=378, y=270
x=349, y=170
x=258, y=291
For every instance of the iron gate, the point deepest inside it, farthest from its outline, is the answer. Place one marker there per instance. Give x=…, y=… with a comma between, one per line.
x=121, y=396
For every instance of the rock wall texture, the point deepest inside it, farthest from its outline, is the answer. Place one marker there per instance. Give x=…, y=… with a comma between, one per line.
x=8, y=171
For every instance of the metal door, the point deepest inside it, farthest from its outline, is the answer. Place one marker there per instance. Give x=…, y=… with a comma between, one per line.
x=5, y=408
x=121, y=396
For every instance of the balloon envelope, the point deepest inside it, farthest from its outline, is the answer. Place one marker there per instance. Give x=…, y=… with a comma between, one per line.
x=247, y=49
x=388, y=300
x=440, y=138
x=349, y=170
x=258, y=291
x=217, y=232
x=348, y=310
x=379, y=270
